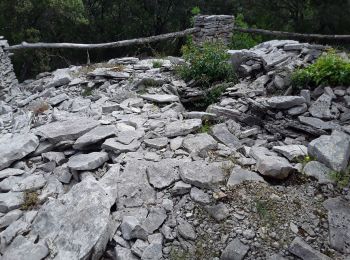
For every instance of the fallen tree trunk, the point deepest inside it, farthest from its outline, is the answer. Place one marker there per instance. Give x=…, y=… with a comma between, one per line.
x=297, y=36
x=139, y=41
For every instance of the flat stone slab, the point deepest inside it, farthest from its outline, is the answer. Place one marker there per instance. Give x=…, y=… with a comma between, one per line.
x=235, y=250
x=161, y=98
x=16, y=147
x=112, y=144
x=239, y=175
x=10, y=172
x=221, y=133
x=10, y=201
x=292, y=152
x=94, y=136
x=185, y=127
x=23, y=183
x=202, y=174
x=332, y=150
x=157, y=143
x=318, y=123
x=303, y=250
x=164, y=173
x=85, y=162
x=285, y=102
x=200, y=144
x=81, y=216
x=68, y=130
x=339, y=223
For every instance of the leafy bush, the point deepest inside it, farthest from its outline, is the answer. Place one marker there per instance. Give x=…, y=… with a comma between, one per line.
x=207, y=63
x=328, y=70
x=157, y=64
x=243, y=40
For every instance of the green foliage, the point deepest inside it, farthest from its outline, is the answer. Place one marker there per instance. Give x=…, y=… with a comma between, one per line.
x=195, y=10
x=328, y=70
x=342, y=179
x=205, y=127
x=86, y=92
x=157, y=64
x=207, y=63
x=243, y=40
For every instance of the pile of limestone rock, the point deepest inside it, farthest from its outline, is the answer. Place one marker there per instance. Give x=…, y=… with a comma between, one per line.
x=103, y=161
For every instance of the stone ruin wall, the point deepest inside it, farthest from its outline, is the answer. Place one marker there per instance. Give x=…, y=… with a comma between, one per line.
x=7, y=75
x=213, y=28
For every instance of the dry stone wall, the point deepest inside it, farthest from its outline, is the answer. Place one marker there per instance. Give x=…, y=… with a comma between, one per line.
x=213, y=28
x=7, y=74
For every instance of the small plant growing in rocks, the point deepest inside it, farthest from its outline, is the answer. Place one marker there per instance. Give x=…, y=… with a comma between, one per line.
x=329, y=70
x=341, y=178
x=30, y=200
x=157, y=64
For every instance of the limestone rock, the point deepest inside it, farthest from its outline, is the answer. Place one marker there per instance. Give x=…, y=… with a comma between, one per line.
x=160, y=98
x=23, y=183
x=239, y=175
x=10, y=201
x=186, y=230
x=285, y=102
x=235, y=250
x=85, y=162
x=117, y=147
x=275, y=167
x=131, y=228
x=332, y=150
x=164, y=173
x=16, y=147
x=10, y=172
x=291, y=152
x=154, y=220
x=200, y=144
x=66, y=130
x=221, y=133
x=157, y=143
x=201, y=174
x=301, y=249
x=94, y=136
x=185, y=127
x=319, y=171
x=218, y=212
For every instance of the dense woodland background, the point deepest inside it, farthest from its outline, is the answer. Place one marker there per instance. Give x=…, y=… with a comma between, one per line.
x=95, y=21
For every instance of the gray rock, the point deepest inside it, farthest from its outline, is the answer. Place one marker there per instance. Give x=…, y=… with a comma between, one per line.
x=298, y=110
x=164, y=173
x=95, y=136
x=318, y=123
x=60, y=77
x=199, y=196
x=57, y=157
x=10, y=172
x=154, y=220
x=157, y=143
x=131, y=228
x=10, y=217
x=218, y=212
x=68, y=130
x=185, y=127
x=201, y=174
x=23, y=183
x=339, y=223
x=285, y=102
x=81, y=216
x=23, y=249
x=164, y=98
x=276, y=257
x=292, y=152
x=319, y=171
x=306, y=94
x=332, y=150
x=275, y=167
x=200, y=144
x=123, y=253
x=186, y=230
x=153, y=252
x=321, y=108
x=117, y=147
x=85, y=162
x=235, y=250
x=181, y=188
x=54, y=101
x=63, y=174
x=221, y=133
x=139, y=247
x=176, y=143
x=239, y=175
x=16, y=147
x=167, y=233
x=10, y=201
x=134, y=189
x=301, y=249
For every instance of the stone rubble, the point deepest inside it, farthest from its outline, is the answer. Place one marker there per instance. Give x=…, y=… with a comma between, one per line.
x=108, y=158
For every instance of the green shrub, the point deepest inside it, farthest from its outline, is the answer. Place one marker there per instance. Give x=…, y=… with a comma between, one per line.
x=342, y=179
x=207, y=63
x=328, y=70
x=157, y=64
x=243, y=40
